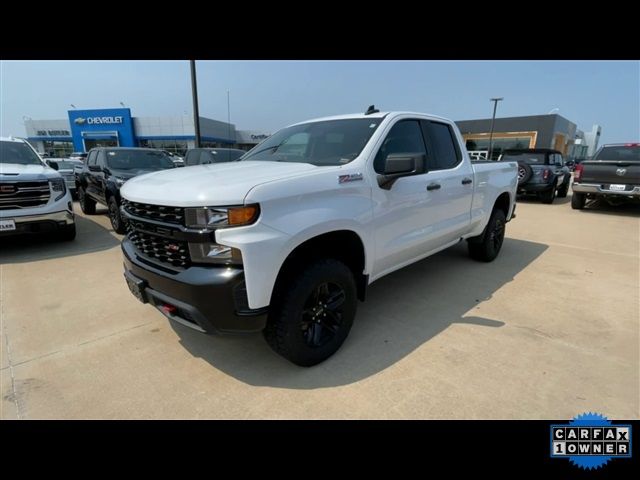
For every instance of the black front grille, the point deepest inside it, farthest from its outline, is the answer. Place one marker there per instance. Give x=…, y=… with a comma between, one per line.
x=23, y=194
x=172, y=252
x=160, y=213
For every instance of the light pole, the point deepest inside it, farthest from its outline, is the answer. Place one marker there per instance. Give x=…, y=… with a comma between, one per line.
x=228, y=116
x=493, y=119
x=194, y=94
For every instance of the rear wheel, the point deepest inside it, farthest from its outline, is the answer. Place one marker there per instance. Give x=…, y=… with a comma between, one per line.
x=313, y=314
x=485, y=248
x=114, y=216
x=563, y=190
x=87, y=205
x=578, y=201
x=548, y=196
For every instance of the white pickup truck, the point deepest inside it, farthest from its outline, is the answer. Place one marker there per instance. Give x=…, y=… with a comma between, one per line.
x=286, y=239
x=34, y=198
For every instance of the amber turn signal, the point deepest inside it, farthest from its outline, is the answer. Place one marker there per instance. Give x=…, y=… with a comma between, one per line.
x=243, y=215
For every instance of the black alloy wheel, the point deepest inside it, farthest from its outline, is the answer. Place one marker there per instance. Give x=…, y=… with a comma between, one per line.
x=496, y=235
x=322, y=314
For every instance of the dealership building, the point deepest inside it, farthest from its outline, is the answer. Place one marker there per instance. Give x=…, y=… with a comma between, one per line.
x=534, y=131
x=85, y=129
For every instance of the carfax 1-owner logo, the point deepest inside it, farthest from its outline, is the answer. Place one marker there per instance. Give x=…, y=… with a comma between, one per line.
x=590, y=440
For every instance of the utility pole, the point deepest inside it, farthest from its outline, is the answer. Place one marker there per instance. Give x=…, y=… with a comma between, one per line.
x=493, y=119
x=194, y=94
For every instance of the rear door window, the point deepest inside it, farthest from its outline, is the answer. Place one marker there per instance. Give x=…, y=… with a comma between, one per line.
x=445, y=151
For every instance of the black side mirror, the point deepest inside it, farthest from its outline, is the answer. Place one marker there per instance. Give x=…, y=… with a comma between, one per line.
x=398, y=165
x=53, y=164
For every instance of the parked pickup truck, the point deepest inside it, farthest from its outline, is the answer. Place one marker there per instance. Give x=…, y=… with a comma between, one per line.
x=107, y=169
x=613, y=175
x=287, y=239
x=34, y=198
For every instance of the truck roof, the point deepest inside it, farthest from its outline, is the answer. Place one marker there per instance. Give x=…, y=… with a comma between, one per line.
x=377, y=115
x=12, y=139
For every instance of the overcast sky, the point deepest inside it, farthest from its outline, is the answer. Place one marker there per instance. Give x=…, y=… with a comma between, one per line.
x=267, y=95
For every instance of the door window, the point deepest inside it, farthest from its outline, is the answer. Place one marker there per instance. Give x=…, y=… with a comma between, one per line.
x=404, y=137
x=446, y=153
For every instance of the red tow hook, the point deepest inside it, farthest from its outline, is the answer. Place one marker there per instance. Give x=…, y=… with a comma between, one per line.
x=169, y=309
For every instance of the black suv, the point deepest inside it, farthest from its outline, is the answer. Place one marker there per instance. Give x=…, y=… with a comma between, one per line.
x=541, y=171
x=206, y=156
x=107, y=169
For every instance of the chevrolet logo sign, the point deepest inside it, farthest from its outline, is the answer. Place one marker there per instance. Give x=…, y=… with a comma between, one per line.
x=80, y=120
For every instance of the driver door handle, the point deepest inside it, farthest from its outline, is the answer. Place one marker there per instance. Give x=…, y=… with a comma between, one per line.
x=466, y=181
x=433, y=186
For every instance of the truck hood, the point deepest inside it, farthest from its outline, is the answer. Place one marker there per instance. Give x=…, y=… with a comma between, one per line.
x=16, y=171
x=208, y=185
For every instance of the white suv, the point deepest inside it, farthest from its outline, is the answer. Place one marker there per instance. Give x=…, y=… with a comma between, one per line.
x=33, y=196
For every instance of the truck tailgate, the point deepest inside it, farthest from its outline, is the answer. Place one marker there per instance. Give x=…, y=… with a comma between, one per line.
x=610, y=171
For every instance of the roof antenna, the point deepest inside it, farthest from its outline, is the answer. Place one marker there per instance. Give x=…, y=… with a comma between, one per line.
x=371, y=109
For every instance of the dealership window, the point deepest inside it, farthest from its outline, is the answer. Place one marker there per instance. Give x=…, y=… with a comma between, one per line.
x=58, y=149
x=178, y=147
x=499, y=144
x=216, y=145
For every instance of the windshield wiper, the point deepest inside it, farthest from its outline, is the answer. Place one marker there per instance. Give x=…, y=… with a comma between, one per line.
x=274, y=148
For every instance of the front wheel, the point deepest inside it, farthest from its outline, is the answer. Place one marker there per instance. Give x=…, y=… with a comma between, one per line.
x=486, y=247
x=87, y=204
x=114, y=216
x=313, y=313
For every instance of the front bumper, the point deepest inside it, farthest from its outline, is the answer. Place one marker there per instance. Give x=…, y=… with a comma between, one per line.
x=600, y=190
x=207, y=299
x=43, y=223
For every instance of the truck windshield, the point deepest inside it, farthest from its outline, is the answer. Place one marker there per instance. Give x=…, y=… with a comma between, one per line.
x=525, y=157
x=629, y=153
x=331, y=142
x=18, y=152
x=138, y=159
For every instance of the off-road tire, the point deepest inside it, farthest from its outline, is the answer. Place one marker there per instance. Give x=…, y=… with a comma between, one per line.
x=285, y=331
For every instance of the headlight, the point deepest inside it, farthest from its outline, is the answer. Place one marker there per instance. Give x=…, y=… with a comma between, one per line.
x=210, y=217
x=120, y=181
x=58, y=185
x=214, y=253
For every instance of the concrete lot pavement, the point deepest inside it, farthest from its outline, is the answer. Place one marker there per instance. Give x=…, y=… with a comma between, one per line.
x=548, y=330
